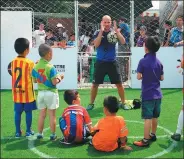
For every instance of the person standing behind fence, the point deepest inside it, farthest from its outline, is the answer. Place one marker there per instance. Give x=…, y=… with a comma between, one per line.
x=168, y=27
x=39, y=36
x=142, y=37
x=177, y=32
x=47, y=78
x=106, y=60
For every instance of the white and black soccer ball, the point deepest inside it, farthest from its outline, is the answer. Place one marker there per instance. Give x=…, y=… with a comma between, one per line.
x=112, y=37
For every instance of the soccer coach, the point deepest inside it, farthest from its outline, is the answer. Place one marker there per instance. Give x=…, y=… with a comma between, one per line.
x=106, y=63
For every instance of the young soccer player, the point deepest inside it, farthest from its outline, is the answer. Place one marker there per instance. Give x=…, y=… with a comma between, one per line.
x=112, y=131
x=177, y=135
x=22, y=86
x=47, y=77
x=150, y=71
x=75, y=122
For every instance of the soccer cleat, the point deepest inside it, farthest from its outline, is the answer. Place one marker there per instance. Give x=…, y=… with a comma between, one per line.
x=63, y=141
x=141, y=143
x=176, y=137
x=40, y=136
x=90, y=107
x=153, y=137
x=53, y=137
x=29, y=134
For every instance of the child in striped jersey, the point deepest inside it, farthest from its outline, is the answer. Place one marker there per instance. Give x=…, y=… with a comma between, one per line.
x=22, y=86
x=75, y=122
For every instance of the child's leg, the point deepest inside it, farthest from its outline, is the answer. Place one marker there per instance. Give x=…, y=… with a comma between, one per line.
x=18, y=121
x=41, y=119
x=147, y=127
x=28, y=120
x=52, y=118
x=180, y=123
x=154, y=125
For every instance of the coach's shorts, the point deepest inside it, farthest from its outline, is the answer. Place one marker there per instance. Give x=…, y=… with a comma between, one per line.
x=20, y=107
x=151, y=108
x=47, y=99
x=107, y=68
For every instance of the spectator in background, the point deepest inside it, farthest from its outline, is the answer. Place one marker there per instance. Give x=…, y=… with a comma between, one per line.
x=142, y=36
x=84, y=40
x=71, y=42
x=90, y=49
x=125, y=31
x=136, y=34
x=50, y=39
x=39, y=36
x=65, y=35
x=147, y=19
x=177, y=32
x=59, y=31
x=168, y=27
x=154, y=25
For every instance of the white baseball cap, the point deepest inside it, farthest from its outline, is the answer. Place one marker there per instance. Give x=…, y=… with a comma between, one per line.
x=59, y=25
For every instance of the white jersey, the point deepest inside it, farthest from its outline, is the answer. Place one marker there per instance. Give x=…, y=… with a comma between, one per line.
x=39, y=37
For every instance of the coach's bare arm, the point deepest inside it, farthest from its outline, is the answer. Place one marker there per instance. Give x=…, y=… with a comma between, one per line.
x=98, y=40
x=118, y=33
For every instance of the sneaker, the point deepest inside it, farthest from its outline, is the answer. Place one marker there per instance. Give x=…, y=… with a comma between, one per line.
x=53, y=137
x=18, y=135
x=153, y=137
x=29, y=134
x=40, y=136
x=141, y=143
x=90, y=107
x=176, y=137
x=63, y=141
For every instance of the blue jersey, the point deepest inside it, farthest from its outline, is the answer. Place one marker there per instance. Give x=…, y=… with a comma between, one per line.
x=105, y=51
x=125, y=30
x=176, y=35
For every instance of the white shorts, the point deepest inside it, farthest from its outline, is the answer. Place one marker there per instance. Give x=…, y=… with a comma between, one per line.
x=47, y=99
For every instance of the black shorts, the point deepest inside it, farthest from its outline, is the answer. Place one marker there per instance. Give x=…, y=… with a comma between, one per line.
x=106, y=68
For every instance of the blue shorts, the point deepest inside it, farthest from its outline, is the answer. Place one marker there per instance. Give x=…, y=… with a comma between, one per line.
x=20, y=107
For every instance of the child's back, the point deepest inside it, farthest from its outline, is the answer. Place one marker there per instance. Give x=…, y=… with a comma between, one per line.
x=22, y=84
x=152, y=70
x=75, y=122
x=76, y=118
x=45, y=72
x=111, y=128
x=111, y=131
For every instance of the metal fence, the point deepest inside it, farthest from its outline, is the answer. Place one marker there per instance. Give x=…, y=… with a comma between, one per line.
x=82, y=17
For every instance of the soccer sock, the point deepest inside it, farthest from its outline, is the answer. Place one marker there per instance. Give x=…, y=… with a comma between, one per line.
x=180, y=123
x=17, y=121
x=28, y=121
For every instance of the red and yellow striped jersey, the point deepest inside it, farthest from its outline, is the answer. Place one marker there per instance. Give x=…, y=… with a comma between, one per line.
x=22, y=83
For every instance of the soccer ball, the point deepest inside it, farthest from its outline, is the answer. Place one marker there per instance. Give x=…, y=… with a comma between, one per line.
x=112, y=38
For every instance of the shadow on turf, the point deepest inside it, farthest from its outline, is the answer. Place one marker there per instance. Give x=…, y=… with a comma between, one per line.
x=96, y=112
x=13, y=144
x=178, y=148
x=95, y=153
